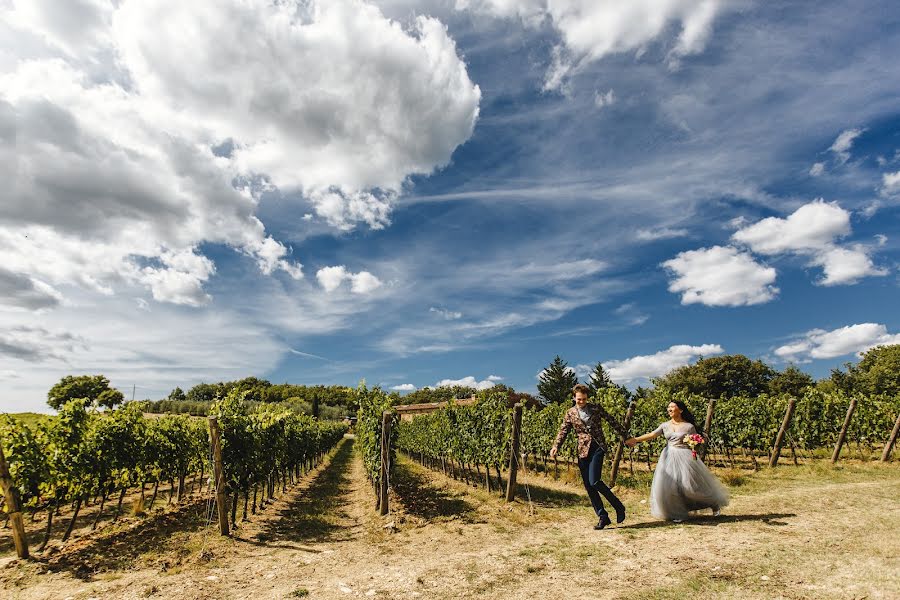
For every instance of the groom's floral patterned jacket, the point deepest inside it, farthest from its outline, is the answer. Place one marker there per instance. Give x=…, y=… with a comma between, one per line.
x=592, y=431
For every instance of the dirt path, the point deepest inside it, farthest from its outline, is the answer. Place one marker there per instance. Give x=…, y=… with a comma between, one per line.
x=794, y=535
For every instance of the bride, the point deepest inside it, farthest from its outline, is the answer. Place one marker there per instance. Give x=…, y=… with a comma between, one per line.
x=681, y=483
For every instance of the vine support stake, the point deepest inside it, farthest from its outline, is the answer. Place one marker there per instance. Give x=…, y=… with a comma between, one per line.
x=891, y=441
x=621, y=447
x=11, y=493
x=707, y=427
x=514, y=453
x=779, y=440
x=843, y=434
x=215, y=441
x=386, y=418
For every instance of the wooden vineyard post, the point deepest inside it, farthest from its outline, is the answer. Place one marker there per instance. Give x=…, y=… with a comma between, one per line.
x=215, y=441
x=514, y=453
x=11, y=493
x=779, y=440
x=707, y=427
x=891, y=441
x=385, y=462
x=621, y=447
x=843, y=434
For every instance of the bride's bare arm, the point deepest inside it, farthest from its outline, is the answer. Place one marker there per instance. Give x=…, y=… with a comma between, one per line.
x=642, y=438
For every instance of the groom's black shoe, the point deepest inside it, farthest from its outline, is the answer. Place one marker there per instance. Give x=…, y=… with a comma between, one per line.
x=603, y=522
x=620, y=513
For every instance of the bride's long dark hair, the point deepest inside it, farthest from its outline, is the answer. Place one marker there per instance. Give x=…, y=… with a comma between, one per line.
x=687, y=415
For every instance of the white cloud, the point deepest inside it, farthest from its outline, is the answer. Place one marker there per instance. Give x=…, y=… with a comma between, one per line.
x=467, y=382
x=844, y=142
x=364, y=283
x=376, y=105
x=720, y=276
x=631, y=314
x=660, y=233
x=881, y=239
x=604, y=99
x=891, y=182
x=450, y=315
x=331, y=278
x=819, y=343
x=111, y=176
x=404, y=387
x=654, y=365
x=593, y=29
x=494, y=378
x=811, y=227
x=844, y=266
x=813, y=230
x=817, y=169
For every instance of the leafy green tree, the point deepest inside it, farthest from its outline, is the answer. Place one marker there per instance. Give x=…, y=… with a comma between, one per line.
x=878, y=372
x=556, y=382
x=791, y=381
x=93, y=387
x=204, y=392
x=177, y=395
x=719, y=377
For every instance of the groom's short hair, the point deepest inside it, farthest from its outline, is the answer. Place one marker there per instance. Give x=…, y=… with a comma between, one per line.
x=580, y=387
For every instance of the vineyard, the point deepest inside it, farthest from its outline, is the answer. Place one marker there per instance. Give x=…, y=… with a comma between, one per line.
x=473, y=441
x=266, y=476
x=85, y=457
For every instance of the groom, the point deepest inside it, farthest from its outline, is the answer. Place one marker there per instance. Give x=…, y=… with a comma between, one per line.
x=585, y=419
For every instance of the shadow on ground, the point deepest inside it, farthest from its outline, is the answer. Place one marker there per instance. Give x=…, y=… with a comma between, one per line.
x=421, y=498
x=773, y=519
x=319, y=513
x=546, y=497
x=122, y=549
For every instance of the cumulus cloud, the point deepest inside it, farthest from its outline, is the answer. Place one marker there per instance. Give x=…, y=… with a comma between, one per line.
x=469, y=381
x=654, y=365
x=331, y=278
x=593, y=29
x=377, y=103
x=817, y=169
x=890, y=182
x=119, y=171
x=813, y=230
x=720, y=276
x=819, y=343
x=404, y=387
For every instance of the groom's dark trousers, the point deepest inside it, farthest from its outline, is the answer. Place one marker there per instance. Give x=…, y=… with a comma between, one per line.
x=591, y=468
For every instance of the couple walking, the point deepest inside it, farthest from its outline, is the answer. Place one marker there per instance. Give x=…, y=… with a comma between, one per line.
x=681, y=483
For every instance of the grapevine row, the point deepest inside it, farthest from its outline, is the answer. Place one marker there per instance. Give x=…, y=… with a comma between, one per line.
x=84, y=454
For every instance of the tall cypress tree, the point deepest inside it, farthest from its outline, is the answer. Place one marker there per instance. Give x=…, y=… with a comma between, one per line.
x=556, y=382
x=599, y=379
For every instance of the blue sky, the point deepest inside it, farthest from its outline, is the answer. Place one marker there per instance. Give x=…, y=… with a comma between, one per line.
x=412, y=192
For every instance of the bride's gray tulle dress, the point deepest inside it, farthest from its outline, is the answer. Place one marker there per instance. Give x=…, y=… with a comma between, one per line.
x=680, y=483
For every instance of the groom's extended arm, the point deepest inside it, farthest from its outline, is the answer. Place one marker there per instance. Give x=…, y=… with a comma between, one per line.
x=561, y=436
x=613, y=423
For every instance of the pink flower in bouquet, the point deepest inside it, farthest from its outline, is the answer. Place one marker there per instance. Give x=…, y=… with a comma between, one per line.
x=693, y=440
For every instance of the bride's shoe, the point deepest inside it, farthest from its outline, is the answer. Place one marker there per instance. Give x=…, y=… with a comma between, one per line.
x=717, y=511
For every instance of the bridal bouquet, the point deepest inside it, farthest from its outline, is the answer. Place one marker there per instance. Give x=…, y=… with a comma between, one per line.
x=693, y=440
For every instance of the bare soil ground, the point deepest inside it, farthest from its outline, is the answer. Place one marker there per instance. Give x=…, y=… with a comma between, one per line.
x=813, y=531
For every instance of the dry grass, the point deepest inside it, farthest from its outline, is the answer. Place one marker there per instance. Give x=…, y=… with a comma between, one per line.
x=813, y=531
